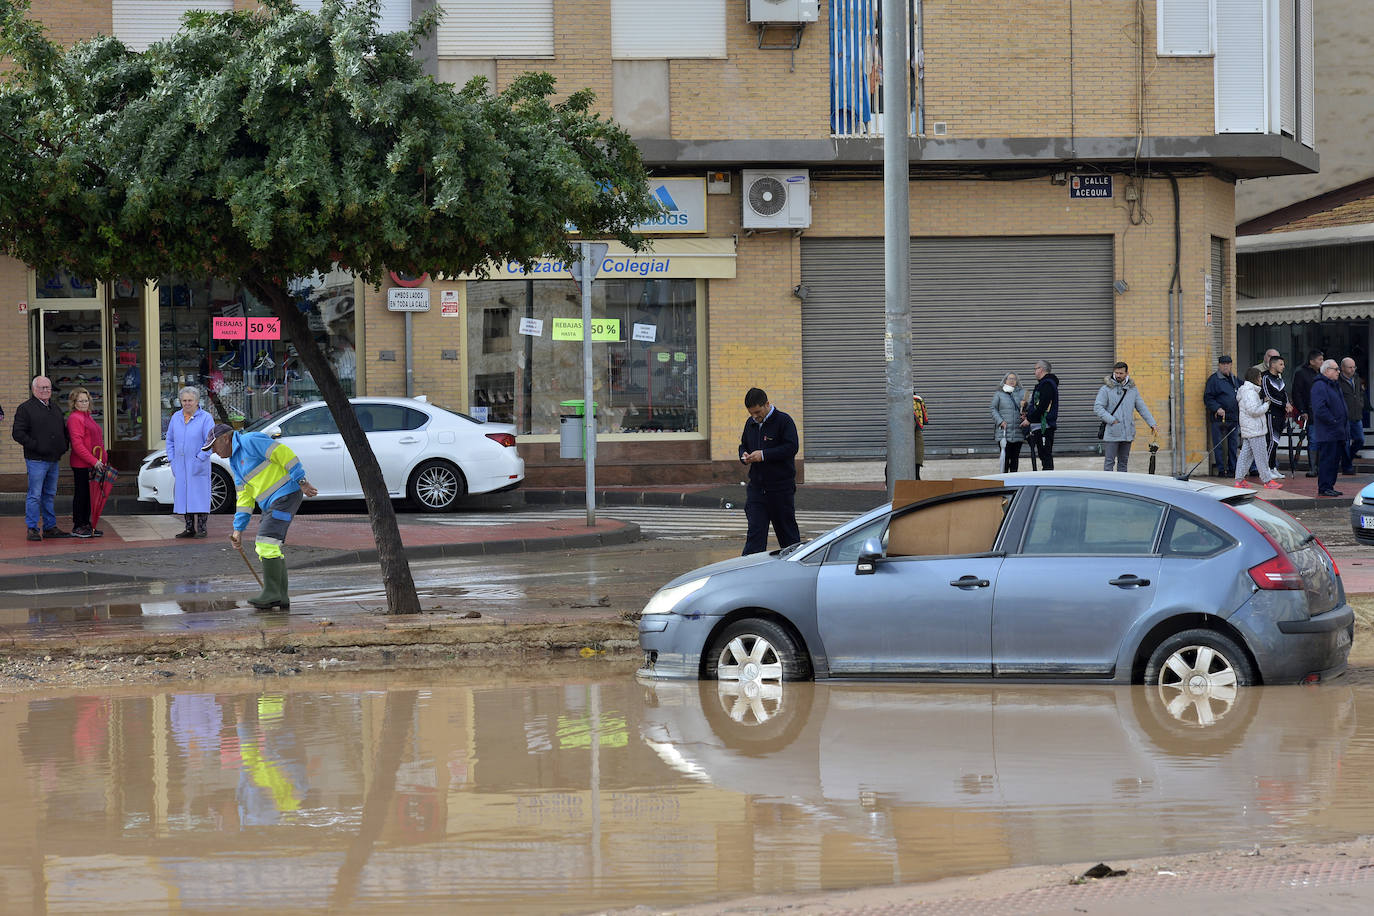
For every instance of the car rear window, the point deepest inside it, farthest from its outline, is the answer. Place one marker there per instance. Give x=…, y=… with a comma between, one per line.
x=1286, y=531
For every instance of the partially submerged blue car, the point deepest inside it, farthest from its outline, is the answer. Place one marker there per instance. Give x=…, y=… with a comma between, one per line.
x=1049, y=576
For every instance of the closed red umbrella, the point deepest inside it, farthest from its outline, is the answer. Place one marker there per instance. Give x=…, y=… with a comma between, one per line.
x=102, y=483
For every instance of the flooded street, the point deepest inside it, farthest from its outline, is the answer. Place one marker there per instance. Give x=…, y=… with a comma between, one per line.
x=543, y=789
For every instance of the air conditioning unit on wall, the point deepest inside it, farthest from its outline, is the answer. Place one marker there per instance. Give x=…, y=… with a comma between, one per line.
x=784, y=10
x=775, y=199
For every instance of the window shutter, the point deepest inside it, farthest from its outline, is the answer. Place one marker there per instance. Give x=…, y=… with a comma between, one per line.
x=1185, y=28
x=139, y=23
x=1286, y=77
x=392, y=16
x=1307, y=92
x=1239, y=69
x=496, y=28
x=661, y=29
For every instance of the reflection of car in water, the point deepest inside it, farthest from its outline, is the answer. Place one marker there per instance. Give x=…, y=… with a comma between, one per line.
x=1111, y=765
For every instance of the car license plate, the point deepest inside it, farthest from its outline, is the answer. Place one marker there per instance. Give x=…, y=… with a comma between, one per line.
x=1367, y=521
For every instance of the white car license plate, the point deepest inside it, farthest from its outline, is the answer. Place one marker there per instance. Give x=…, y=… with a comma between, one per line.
x=1367, y=521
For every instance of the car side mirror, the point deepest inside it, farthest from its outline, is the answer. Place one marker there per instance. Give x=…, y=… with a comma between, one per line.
x=274, y=432
x=869, y=555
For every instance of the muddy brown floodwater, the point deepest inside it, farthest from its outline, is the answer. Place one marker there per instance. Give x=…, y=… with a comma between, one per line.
x=571, y=787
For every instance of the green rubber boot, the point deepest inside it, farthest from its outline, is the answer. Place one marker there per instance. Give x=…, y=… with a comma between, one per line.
x=274, y=587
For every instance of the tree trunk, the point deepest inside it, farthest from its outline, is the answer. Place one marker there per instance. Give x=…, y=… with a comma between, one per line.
x=396, y=577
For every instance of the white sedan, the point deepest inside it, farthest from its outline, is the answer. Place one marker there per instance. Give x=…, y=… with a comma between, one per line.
x=431, y=455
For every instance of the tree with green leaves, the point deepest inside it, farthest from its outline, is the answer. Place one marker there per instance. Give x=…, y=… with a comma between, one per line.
x=271, y=144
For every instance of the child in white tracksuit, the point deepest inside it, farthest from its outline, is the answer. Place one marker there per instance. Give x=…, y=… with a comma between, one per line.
x=1254, y=431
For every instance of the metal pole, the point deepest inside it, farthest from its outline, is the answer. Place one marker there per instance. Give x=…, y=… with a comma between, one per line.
x=410, y=358
x=901, y=436
x=588, y=414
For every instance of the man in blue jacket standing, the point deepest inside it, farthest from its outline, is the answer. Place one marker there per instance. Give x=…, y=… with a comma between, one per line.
x=1224, y=414
x=1329, y=426
x=768, y=448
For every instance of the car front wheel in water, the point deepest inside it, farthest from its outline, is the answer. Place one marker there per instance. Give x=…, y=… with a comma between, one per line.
x=756, y=653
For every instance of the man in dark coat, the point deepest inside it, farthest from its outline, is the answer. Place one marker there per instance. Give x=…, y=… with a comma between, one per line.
x=1352, y=390
x=1302, y=400
x=41, y=428
x=1329, y=426
x=1042, y=413
x=768, y=447
x=1220, y=398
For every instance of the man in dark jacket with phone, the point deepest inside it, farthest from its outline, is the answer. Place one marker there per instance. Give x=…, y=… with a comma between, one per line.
x=768, y=447
x=41, y=428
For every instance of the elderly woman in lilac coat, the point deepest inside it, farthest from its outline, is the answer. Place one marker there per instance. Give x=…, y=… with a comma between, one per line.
x=186, y=433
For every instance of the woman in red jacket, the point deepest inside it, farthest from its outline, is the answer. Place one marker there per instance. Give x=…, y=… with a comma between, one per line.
x=86, y=437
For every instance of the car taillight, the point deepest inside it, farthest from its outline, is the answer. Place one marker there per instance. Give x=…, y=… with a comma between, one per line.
x=503, y=439
x=1278, y=572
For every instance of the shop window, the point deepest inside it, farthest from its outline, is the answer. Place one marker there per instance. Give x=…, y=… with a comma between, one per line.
x=496, y=330
x=645, y=356
x=244, y=380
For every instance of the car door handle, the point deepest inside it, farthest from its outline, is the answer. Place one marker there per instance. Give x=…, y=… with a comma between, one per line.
x=1129, y=581
x=330, y=445
x=408, y=440
x=967, y=582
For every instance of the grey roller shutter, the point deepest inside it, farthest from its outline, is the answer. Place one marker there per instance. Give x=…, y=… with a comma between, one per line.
x=980, y=307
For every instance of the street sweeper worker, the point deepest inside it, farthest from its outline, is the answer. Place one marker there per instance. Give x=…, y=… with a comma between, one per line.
x=269, y=474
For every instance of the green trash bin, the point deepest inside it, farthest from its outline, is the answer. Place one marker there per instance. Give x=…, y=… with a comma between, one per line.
x=571, y=432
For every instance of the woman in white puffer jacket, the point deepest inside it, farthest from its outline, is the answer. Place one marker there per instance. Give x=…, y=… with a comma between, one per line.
x=1254, y=431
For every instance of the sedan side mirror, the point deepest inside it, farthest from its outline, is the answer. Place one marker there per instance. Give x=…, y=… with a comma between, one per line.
x=869, y=555
x=274, y=432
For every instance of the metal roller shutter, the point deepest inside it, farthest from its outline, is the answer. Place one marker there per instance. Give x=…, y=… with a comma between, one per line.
x=980, y=307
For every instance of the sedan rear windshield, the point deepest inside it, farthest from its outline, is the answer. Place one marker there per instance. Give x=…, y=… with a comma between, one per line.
x=1286, y=531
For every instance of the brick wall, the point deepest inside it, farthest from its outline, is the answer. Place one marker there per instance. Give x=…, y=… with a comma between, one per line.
x=1005, y=70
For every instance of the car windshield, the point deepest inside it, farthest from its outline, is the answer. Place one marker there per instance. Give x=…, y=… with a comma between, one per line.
x=1286, y=531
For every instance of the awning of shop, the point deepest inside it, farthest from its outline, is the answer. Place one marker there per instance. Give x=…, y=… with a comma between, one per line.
x=709, y=259
x=1350, y=306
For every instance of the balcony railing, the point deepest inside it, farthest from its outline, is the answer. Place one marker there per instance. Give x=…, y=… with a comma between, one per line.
x=856, y=67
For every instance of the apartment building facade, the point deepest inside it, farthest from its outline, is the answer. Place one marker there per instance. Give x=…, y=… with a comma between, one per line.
x=1072, y=198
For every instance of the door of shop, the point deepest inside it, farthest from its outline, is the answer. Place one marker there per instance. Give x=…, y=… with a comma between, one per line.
x=980, y=307
x=89, y=336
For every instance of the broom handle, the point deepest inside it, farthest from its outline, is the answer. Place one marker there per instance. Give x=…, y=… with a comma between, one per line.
x=251, y=568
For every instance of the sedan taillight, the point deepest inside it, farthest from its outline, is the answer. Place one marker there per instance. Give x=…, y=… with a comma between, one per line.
x=1278, y=572
x=503, y=439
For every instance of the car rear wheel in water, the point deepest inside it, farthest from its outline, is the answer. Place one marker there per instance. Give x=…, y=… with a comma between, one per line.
x=222, y=495
x=756, y=654
x=1197, y=672
x=436, y=486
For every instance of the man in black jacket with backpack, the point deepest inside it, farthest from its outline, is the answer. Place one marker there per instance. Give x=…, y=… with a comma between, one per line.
x=1042, y=412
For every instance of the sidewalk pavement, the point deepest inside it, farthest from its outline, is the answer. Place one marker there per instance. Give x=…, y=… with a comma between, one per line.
x=140, y=550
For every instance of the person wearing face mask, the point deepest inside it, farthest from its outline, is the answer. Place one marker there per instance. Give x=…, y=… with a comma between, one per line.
x=1118, y=401
x=1006, y=417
